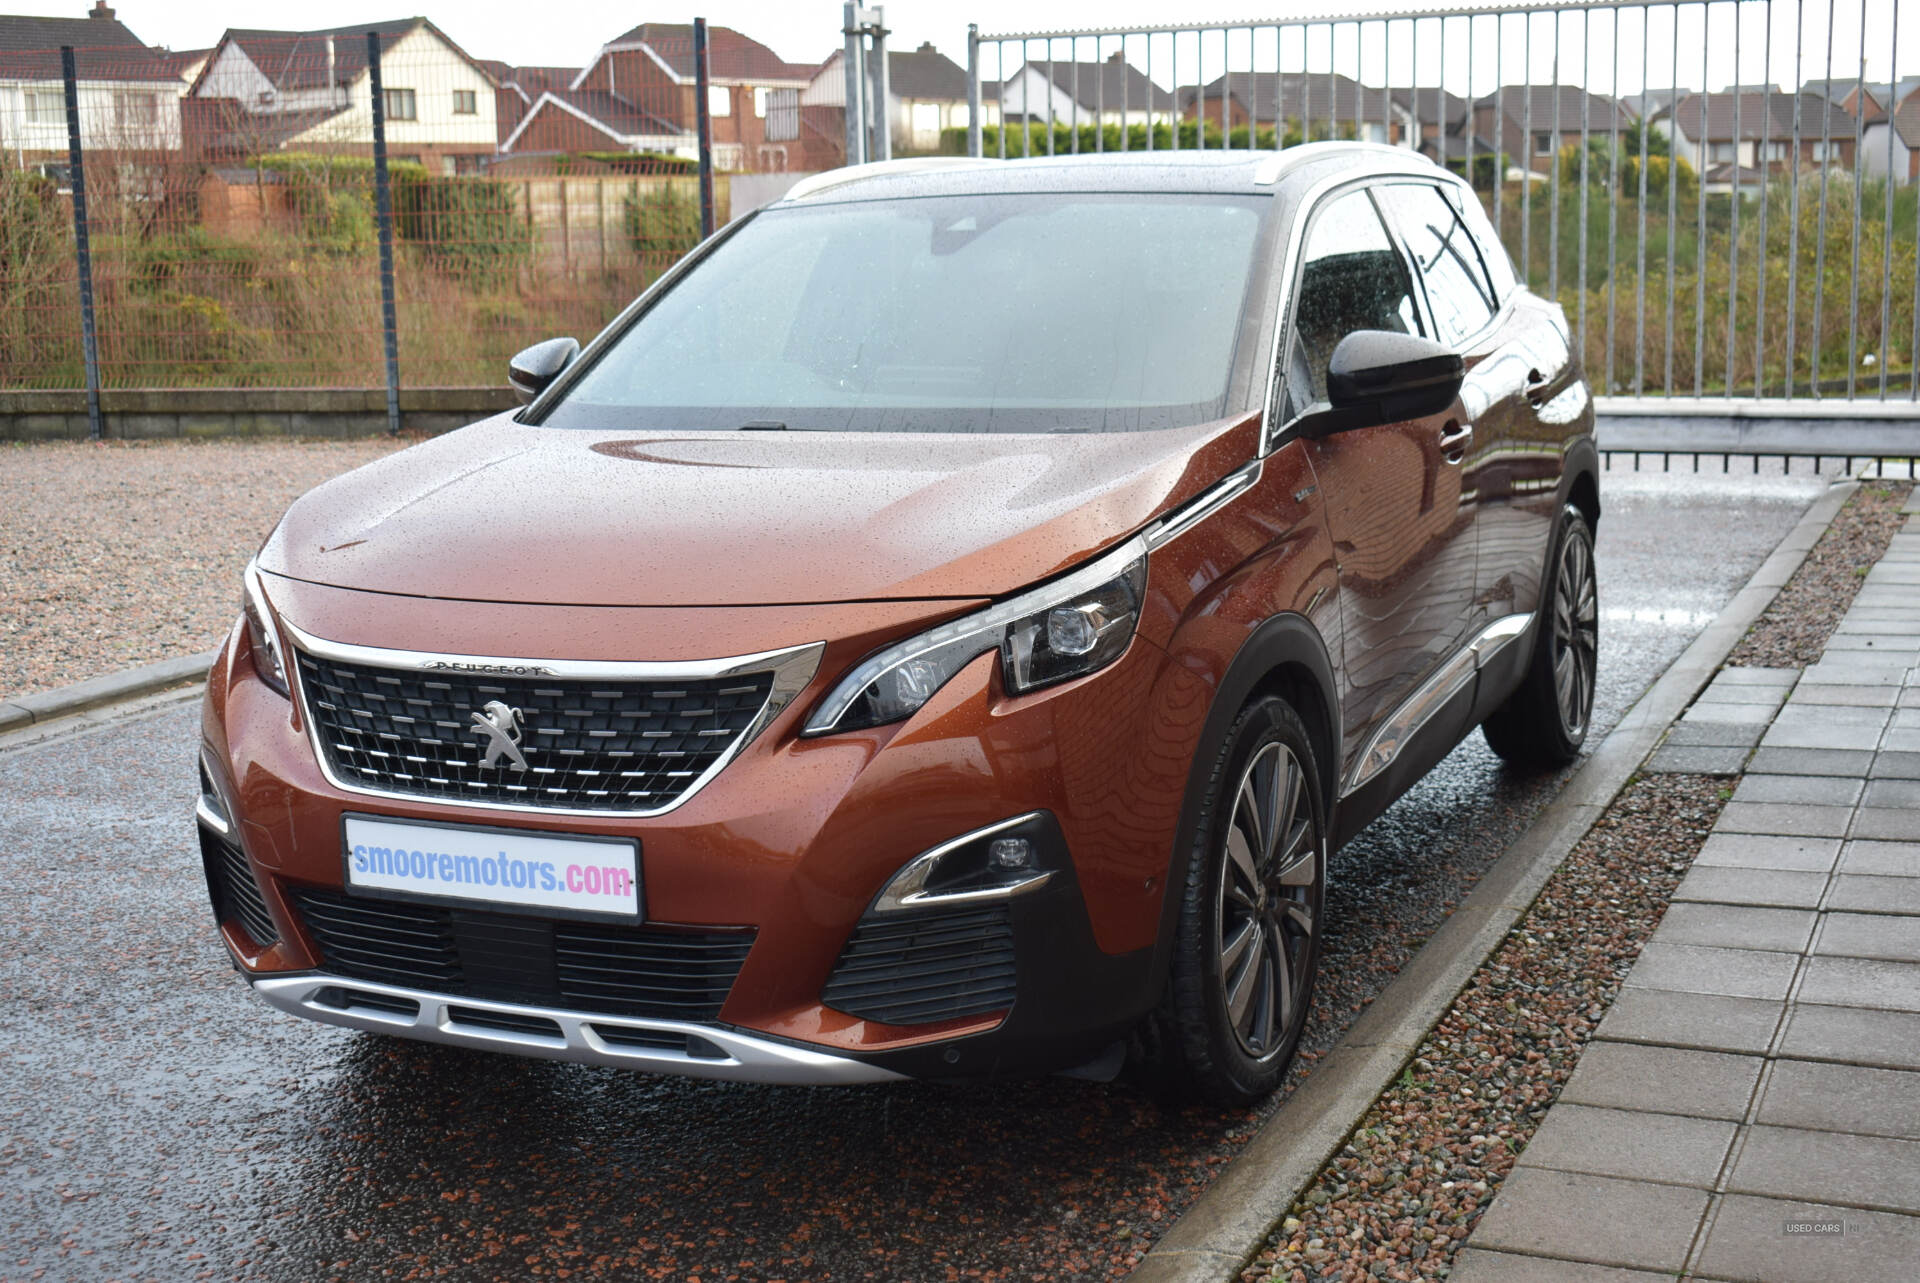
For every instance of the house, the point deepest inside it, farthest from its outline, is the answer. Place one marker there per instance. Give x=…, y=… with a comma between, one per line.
x=128, y=96
x=1701, y=128
x=1902, y=130
x=186, y=64
x=1114, y=92
x=1651, y=102
x=1442, y=116
x=518, y=88
x=637, y=94
x=1522, y=121
x=264, y=91
x=926, y=93
x=1296, y=98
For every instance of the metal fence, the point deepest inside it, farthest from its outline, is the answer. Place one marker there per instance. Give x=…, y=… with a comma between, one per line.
x=355, y=207
x=1757, y=241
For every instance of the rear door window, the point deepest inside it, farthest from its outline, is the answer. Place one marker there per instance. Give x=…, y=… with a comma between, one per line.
x=1459, y=291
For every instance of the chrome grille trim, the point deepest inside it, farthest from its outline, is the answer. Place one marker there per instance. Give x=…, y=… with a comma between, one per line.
x=790, y=671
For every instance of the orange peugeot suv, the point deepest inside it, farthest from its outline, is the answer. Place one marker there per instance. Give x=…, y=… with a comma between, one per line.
x=940, y=629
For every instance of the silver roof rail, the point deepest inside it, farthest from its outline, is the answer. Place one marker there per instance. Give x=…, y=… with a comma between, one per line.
x=818, y=183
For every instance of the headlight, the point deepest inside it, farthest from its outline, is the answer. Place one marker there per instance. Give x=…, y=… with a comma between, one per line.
x=264, y=637
x=1058, y=631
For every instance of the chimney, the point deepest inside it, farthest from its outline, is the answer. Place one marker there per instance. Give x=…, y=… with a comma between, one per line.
x=926, y=46
x=100, y=10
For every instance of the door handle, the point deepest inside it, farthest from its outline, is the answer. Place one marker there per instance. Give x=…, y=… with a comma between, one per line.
x=1536, y=387
x=1455, y=439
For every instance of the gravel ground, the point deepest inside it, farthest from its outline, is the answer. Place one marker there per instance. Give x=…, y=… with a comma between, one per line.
x=1795, y=628
x=120, y=553
x=1401, y=1196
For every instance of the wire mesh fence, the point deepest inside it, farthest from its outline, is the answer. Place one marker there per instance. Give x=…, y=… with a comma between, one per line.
x=232, y=217
x=1718, y=192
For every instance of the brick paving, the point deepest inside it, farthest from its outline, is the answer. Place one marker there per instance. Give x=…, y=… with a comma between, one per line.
x=1750, y=1107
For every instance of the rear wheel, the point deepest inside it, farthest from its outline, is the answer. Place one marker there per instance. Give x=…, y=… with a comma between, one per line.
x=1544, y=722
x=1248, y=942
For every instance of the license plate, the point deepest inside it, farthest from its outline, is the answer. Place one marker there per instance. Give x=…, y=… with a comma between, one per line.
x=561, y=876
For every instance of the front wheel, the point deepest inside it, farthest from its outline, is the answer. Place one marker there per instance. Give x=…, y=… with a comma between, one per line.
x=1248, y=941
x=1544, y=722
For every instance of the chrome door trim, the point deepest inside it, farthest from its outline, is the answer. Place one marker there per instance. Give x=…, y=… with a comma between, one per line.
x=1417, y=709
x=793, y=669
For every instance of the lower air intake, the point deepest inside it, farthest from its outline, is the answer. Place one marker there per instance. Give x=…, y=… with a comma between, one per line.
x=916, y=969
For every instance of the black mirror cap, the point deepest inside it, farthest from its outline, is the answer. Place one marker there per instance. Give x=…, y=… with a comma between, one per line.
x=1383, y=377
x=534, y=368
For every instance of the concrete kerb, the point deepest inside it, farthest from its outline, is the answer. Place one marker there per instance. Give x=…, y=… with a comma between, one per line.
x=23, y=711
x=1220, y=1234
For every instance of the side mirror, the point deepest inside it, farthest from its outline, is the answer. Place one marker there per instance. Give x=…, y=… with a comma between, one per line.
x=533, y=369
x=1378, y=376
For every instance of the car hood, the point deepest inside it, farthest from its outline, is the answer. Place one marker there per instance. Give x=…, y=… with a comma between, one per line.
x=505, y=512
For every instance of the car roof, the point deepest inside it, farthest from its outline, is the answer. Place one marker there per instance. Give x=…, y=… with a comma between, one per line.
x=1221, y=171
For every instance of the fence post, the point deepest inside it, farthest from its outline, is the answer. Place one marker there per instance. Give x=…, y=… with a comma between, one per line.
x=975, y=147
x=704, y=117
x=83, y=253
x=853, y=78
x=882, y=148
x=383, y=214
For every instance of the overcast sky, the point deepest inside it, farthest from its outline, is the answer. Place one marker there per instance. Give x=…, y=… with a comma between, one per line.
x=566, y=33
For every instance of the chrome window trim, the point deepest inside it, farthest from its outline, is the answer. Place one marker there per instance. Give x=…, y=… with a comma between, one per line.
x=1380, y=166
x=793, y=669
x=907, y=889
x=1204, y=505
x=1416, y=710
x=211, y=808
x=748, y=1058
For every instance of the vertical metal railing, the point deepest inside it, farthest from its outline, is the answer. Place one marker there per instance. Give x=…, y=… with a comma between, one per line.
x=82, y=245
x=1652, y=155
x=383, y=216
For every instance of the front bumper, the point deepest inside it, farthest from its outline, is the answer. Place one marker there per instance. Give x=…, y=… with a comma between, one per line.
x=792, y=841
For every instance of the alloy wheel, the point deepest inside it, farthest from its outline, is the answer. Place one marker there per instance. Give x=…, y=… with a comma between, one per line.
x=1576, y=634
x=1264, y=911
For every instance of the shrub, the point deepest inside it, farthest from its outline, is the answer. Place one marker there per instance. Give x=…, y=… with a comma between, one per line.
x=466, y=225
x=661, y=223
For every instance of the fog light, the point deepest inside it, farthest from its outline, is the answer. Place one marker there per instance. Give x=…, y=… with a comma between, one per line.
x=1011, y=853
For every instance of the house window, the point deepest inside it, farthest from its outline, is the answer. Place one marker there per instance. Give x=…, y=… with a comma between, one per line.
x=926, y=118
x=46, y=106
x=465, y=103
x=783, y=115
x=136, y=109
x=1543, y=144
x=760, y=103
x=719, y=100
x=1720, y=153
x=401, y=105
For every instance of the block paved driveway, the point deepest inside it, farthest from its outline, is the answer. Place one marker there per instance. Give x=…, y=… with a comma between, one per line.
x=1750, y=1108
x=156, y=1121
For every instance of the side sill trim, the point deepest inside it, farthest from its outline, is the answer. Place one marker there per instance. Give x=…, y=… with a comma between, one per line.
x=1404, y=723
x=746, y=1058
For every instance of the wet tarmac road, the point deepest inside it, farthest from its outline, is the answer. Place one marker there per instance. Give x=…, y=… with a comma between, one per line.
x=158, y=1122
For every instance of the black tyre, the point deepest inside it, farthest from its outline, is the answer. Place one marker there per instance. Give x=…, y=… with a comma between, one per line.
x=1544, y=722
x=1248, y=941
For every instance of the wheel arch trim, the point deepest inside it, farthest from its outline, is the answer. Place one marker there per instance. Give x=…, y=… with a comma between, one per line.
x=1281, y=645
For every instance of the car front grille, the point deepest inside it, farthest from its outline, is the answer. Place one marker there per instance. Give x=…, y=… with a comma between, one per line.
x=589, y=745
x=914, y=969
x=236, y=894
x=615, y=970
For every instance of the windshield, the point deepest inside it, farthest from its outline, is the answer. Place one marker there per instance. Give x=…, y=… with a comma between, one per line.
x=999, y=313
